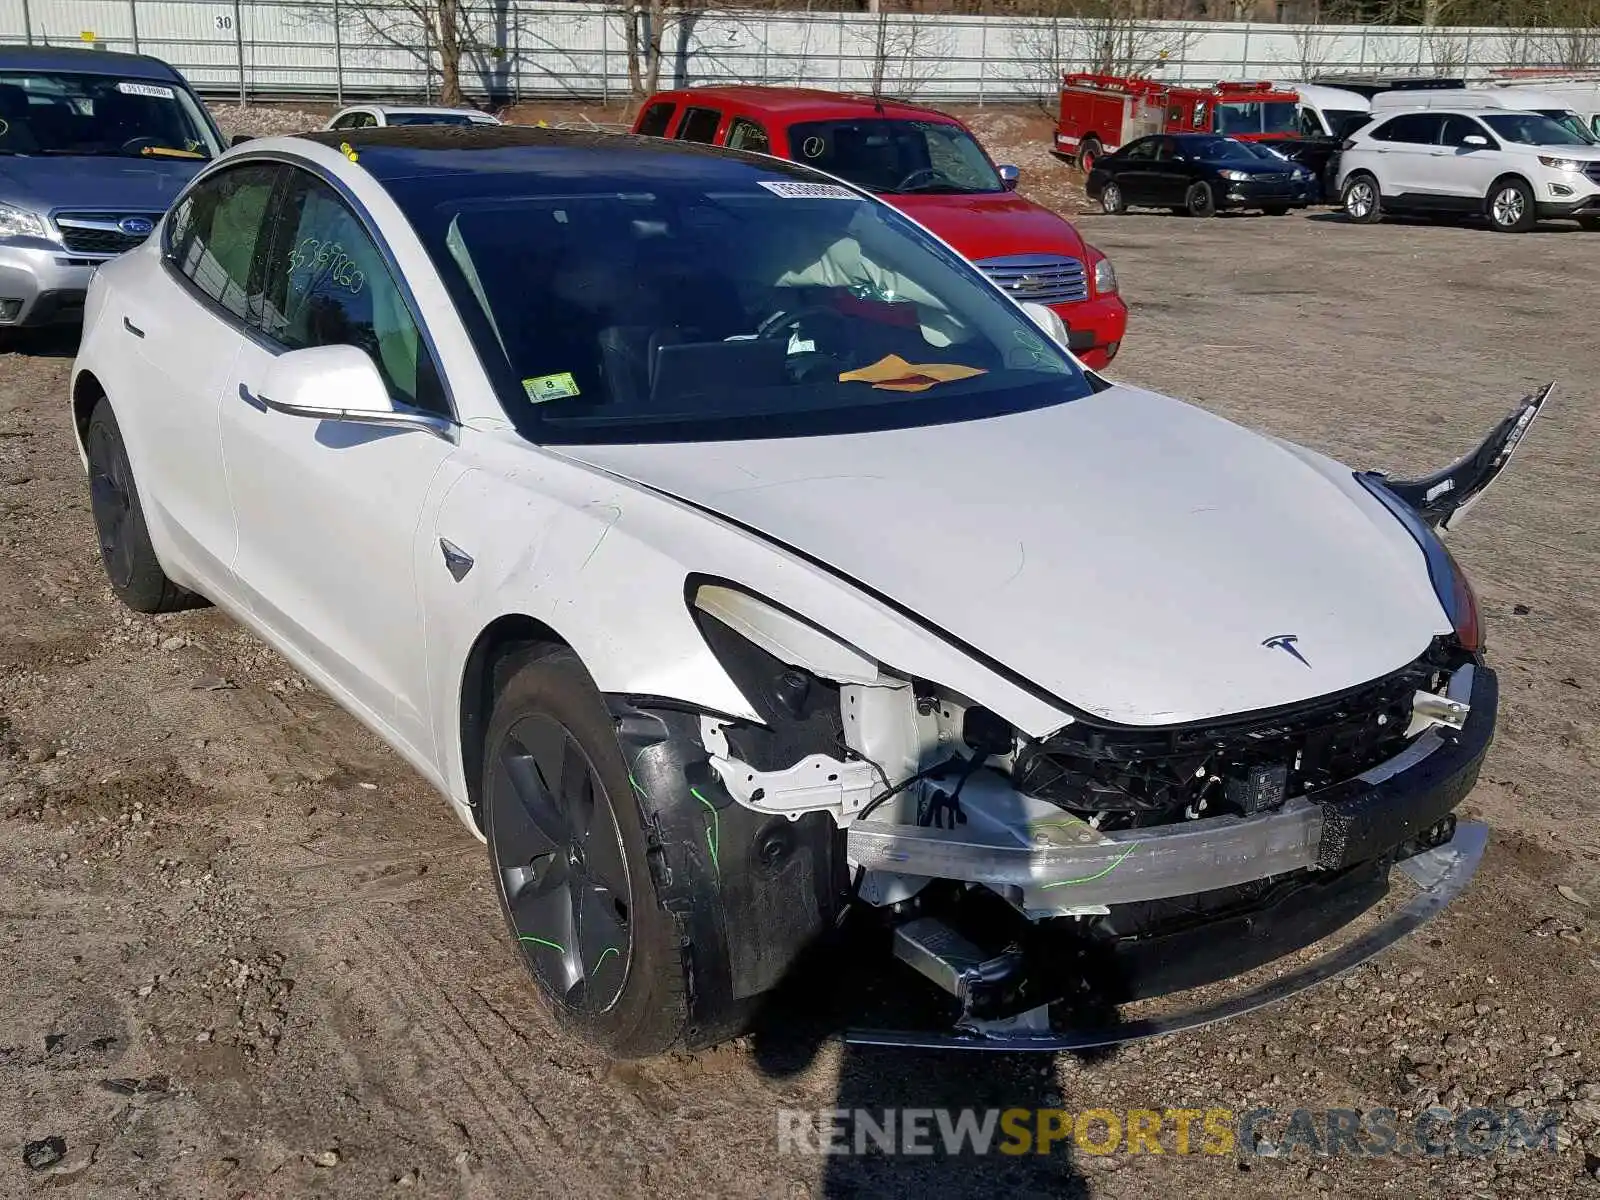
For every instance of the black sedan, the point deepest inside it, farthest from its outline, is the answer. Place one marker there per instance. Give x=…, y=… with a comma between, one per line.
x=1198, y=174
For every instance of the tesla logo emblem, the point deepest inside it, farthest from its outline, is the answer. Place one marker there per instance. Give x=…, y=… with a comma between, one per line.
x=1286, y=643
x=136, y=226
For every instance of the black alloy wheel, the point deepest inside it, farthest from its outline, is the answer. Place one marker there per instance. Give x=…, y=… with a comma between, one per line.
x=559, y=859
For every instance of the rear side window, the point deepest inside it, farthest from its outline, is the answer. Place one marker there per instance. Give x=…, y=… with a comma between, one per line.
x=215, y=237
x=745, y=134
x=1414, y=128
x=699, y=125
x=328, y=285
x=656, y=119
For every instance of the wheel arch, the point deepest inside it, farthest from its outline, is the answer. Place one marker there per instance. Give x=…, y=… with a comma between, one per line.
x=1507, y=177
x=87, y=391
x=495, y=643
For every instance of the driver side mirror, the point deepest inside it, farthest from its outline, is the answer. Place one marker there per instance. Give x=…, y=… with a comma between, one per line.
x=1009, y=176
x=337, y=383
x=1474, y=139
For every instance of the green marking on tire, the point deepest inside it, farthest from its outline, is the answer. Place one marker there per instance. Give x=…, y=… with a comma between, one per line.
x=607, y=951
x=1100, y=874
x=636, y=786
x=545, y=942
x=713, y=831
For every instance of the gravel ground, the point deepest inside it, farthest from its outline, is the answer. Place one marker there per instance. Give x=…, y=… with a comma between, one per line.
x=246, y=952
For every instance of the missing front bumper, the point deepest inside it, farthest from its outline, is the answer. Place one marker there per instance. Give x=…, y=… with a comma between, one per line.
x=1440, y=875
x=1062, y=863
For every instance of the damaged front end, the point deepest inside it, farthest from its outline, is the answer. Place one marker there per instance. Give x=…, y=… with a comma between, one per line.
x=1040, y=882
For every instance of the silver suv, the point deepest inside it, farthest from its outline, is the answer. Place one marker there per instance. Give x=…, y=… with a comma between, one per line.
x=94, y=146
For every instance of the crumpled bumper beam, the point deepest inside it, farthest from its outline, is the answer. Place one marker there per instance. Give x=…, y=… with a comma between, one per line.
x=1440, y=875
x=1074, y=865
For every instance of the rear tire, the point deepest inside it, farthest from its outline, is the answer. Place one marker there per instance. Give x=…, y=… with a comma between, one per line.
x=129, y=559
x=570, y=859
x=1200, y=201
x=1089, y=154
x=1362, y=199
x=1510, y=206
x=1112, y=201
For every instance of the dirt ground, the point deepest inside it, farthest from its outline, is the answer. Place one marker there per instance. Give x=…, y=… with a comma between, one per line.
x=244, y=951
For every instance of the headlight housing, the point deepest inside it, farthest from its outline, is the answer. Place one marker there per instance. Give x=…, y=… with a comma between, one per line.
x=1450, y=584
x=19, y=222
x=1236, y=176
x=1105, y=279
x=1559, y=164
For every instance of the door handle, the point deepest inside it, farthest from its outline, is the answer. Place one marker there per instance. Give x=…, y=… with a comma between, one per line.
x=132, y=328
x=255, y=402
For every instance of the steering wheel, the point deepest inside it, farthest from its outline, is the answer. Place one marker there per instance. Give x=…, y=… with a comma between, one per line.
x=785, y=319
x=135, y=144
x=905, y=183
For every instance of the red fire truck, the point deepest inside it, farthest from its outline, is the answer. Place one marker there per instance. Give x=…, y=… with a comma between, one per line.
x=1101, y=112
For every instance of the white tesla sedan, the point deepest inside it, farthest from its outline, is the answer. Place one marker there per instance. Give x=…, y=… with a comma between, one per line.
x=735, y=557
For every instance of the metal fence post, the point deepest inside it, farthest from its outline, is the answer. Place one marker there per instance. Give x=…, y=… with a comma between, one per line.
x=427, y=62
x=983, y=54
x=338, y=58
x=133, y=19
x=605, y=58
x=1244, y=65
x=238, y=42
x=27, y=22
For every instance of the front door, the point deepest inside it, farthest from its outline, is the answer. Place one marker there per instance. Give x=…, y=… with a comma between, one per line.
x=1465, y=172
x=329, y=511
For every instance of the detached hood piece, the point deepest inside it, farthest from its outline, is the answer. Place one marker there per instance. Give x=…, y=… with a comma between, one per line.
x=1132, y=555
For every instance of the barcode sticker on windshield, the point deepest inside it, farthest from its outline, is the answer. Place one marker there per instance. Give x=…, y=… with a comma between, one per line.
x=794, y=190
x=145, y=89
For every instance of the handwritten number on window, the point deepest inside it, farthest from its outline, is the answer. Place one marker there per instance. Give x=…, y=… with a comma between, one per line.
x=326, y=260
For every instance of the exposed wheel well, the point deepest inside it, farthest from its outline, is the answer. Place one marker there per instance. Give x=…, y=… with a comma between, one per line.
x=86, y=393
x=499, y=639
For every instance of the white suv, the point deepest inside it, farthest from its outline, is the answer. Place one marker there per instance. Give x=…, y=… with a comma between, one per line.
x=1512, y=167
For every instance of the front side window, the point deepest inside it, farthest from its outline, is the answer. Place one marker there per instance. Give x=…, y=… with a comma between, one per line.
x=327, y=285
x=893, y=156
x=1310, y=123
x=216, y=236
x=1143, y=150
x=1457, y=129
x=67, y=113
x=1344, y=121
x=745, y=134
x=767, y=306
x=699, y=125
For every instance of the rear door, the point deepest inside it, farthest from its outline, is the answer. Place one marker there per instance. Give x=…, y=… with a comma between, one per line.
x=1406, y=158
x=184, y=327
x=1169, y=176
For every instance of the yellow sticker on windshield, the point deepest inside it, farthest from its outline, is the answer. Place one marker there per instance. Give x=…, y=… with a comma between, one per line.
x=550, y=387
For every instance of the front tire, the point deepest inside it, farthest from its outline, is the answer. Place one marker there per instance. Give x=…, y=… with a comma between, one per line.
x=1363, y=202
x=1510, y=206
x=129, y=559
x=571, y=860
x=1112, y=201
x=1200, y=201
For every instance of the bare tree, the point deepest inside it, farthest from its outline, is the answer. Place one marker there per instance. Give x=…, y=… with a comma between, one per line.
x=1314, y=47
x=1108, y=36
x=902, y=51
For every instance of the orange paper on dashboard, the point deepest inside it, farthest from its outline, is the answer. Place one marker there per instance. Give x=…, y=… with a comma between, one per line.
x=895, y=374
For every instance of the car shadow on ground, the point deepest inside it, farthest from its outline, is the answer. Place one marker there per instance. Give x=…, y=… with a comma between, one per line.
x=50, y=342
x=1464, y=221
x=850, y=982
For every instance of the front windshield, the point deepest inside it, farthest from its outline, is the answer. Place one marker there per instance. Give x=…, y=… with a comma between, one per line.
x=1227, y=150
x=61, y=112
x=422, y=118
x=1572, y=123
x=893, y=156
x=1345, y=121
x=760, y=308
x=1531, y=129
x=1257, y=116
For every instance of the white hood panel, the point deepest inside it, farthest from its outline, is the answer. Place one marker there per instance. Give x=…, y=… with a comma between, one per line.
x=1126, y=552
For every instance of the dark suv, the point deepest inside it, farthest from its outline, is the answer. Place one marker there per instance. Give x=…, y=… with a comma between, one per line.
x=93, y=148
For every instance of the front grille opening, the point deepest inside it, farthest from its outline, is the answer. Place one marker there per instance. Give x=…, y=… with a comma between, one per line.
x=1125, y=778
